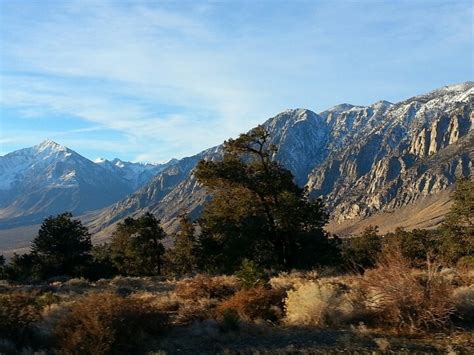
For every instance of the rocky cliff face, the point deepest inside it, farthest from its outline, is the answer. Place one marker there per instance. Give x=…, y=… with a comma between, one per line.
x=360, y=159
x=414, y=148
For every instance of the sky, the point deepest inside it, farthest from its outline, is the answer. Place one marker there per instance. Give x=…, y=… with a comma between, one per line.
x=153, y=80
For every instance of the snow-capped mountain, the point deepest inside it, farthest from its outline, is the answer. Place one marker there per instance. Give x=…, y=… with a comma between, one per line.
x=362, y=159
x=134, y=174
x=50, y=178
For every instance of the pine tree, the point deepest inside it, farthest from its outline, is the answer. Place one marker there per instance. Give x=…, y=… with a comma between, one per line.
x=257, y=212
x=458, y=229
x=62, y=247
x=136, y=246
x=182, y=256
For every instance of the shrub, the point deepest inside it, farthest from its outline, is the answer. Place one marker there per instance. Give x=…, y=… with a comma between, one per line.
x=250, y=274
x=230, y=319
x=195, y=310
x=408, y=299
x=203, y=286
x=18, y=313
x=106, y=323
x=254, y=303
x=50, y=316
x=416, y=246
x=76, y=286
x=288, y=281
x=313, y=303
x=466, y=263
x=47, y=299
x=361, y=252
x=464, y=302
x=163, y=301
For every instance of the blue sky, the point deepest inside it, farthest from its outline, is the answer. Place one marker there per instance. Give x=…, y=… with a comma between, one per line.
x=152, y=80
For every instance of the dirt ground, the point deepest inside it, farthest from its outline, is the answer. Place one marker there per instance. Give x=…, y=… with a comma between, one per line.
x=202, y=338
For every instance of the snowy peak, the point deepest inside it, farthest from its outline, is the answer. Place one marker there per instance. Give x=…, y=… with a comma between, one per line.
x=456, y=87
x=291, y=117
x=118, y=163
x=49, y=178
x=50, y=146
x=133, y=174
x=341, y=108
x=48, y=143
x=381, y=105
x=364, y=159
x=447, y=95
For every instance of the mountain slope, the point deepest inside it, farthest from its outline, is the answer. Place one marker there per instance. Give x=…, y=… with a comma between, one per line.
x=49, y=178
x=363, y=160
x=300, y=134
x=133, y=174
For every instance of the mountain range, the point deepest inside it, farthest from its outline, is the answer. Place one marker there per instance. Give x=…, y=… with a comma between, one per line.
x=363, y=160
x=50, y=178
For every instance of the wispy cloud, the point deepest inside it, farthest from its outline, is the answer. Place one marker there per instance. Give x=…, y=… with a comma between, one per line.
x=175, y=78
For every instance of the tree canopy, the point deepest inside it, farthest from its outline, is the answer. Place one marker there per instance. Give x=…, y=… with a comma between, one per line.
x=182, y=258
x=257, y=212
x=62, y=246
x=136, y=246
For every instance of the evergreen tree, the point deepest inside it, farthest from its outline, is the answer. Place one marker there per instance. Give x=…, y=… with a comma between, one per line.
x=417, y=246
x=62, y=247
x=136, y=246
x=23, y=268
x=102, y=265
x=362, y=252
x=460, y=218
x=257, y=212
x=458, y=228
x=182, y=256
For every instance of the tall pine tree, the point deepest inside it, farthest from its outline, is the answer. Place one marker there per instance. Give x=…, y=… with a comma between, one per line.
x=257, y=212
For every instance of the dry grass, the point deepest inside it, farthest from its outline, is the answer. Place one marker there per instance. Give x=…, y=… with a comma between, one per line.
x=195, y=310
x=19, y=312
x=106, y=323
x=314, y=304
x=288, y=281
x=406, y=299
x=163, y=301
x=92, y=317
x=255, y=303
x=203, y=286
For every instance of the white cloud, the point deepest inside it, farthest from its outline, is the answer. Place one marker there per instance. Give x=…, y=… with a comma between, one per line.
x=175, y=81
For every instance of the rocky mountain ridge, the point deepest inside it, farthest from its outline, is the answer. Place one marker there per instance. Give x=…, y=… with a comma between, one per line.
x=361, y=159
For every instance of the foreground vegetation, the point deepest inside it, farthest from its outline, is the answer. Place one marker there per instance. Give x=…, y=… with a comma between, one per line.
x=229, y=282
x=391, y=307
